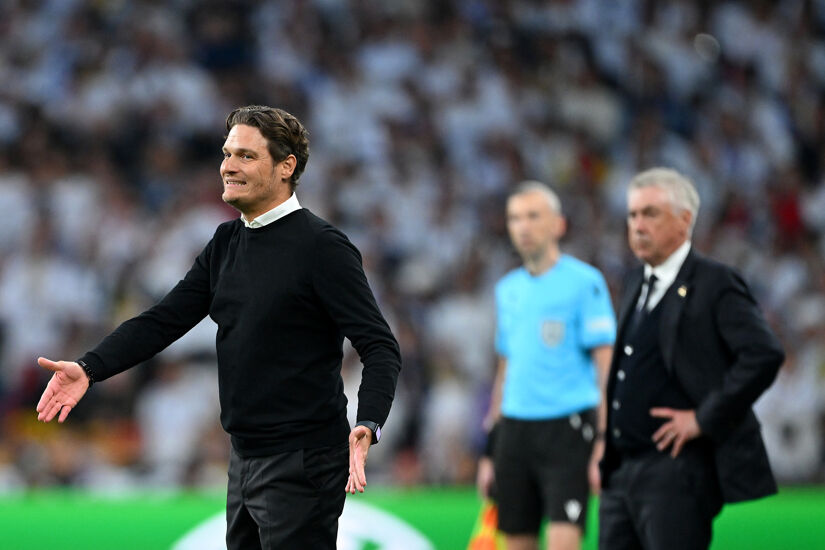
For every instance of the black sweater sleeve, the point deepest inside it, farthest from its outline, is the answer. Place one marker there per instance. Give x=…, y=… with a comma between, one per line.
x=141, y=337
x=339, y=281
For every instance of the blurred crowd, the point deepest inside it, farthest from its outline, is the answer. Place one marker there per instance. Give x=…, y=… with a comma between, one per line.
x=422, y=114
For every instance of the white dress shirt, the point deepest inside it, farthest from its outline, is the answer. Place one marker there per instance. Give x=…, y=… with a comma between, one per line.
x=287, y=207
x=666, y=273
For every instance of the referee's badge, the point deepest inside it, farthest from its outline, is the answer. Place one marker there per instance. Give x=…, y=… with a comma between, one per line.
x=552, y=333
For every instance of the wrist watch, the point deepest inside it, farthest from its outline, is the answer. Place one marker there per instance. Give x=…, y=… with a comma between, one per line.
x=87, y=370
x=373, y=427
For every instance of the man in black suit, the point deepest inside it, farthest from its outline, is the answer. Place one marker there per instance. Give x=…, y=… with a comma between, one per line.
x=693, y=353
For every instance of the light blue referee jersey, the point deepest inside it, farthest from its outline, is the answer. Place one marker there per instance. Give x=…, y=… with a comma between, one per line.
x=546, y=328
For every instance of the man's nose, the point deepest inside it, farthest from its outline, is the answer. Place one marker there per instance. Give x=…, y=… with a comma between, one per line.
x=519, y=228
x=227, y=166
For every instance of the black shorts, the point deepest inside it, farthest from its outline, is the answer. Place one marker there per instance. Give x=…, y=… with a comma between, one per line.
x=541, y=471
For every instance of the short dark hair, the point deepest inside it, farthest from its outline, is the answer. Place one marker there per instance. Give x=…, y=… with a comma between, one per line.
x=285, y=135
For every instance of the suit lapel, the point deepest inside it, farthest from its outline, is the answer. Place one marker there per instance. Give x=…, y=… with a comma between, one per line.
x=673, y=303
x=634, y=286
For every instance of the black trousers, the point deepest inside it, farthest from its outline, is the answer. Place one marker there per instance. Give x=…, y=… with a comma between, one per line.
x=655, y=502
x=287, y=500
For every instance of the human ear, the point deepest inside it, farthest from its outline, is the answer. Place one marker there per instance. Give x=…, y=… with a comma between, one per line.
x=287, y=166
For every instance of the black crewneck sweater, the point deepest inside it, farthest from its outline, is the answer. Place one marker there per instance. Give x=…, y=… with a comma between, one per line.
x=284, y=296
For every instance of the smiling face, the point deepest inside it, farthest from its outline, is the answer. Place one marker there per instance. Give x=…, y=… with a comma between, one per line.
x=655, y=227
x=253, y=182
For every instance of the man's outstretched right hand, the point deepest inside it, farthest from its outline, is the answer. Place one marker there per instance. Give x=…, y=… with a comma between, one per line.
x=67, y=386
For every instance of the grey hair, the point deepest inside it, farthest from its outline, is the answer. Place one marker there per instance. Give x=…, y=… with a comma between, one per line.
x=528, y=186
x=682, y=193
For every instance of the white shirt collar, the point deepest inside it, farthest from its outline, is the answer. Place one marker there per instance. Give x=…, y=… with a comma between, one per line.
x=287, y=207
x=666, y=273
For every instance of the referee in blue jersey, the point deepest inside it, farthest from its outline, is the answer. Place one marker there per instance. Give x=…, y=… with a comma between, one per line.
x=554, y=337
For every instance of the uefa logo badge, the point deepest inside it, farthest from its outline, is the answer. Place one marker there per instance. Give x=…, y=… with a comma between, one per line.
x=552, y=333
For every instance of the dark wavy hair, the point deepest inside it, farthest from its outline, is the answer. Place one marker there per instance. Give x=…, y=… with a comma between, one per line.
x=285, y=135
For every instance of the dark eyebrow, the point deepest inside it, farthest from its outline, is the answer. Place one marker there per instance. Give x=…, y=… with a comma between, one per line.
x=240, y=151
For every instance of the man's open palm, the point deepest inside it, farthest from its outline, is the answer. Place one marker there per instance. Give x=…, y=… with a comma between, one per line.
x=67, y=386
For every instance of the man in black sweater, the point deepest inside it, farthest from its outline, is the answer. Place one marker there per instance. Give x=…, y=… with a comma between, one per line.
x=285, y=288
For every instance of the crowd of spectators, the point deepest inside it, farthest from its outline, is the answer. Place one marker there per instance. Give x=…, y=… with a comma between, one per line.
x=422, y=114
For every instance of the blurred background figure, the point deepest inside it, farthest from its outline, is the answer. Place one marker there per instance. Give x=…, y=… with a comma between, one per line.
x=422, y=115
x=555, y=329
x=693, y=354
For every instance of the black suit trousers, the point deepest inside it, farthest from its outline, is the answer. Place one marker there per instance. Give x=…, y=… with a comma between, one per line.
x=290, y=500
x=655, y=502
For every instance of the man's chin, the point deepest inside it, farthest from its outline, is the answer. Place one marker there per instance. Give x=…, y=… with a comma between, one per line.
x=232, y=201
x=526, y=250
x=641, y=252
x=646, y=256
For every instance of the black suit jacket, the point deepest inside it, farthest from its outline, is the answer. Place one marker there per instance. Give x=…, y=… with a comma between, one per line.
x=717, y=344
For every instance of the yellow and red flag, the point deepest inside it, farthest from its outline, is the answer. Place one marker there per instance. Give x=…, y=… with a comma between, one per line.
x=485, y=533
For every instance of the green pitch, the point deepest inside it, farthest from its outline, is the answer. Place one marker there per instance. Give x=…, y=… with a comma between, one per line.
x=69, y=520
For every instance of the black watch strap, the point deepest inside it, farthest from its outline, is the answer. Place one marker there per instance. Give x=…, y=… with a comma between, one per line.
x=87, y=370
x=373, y=427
